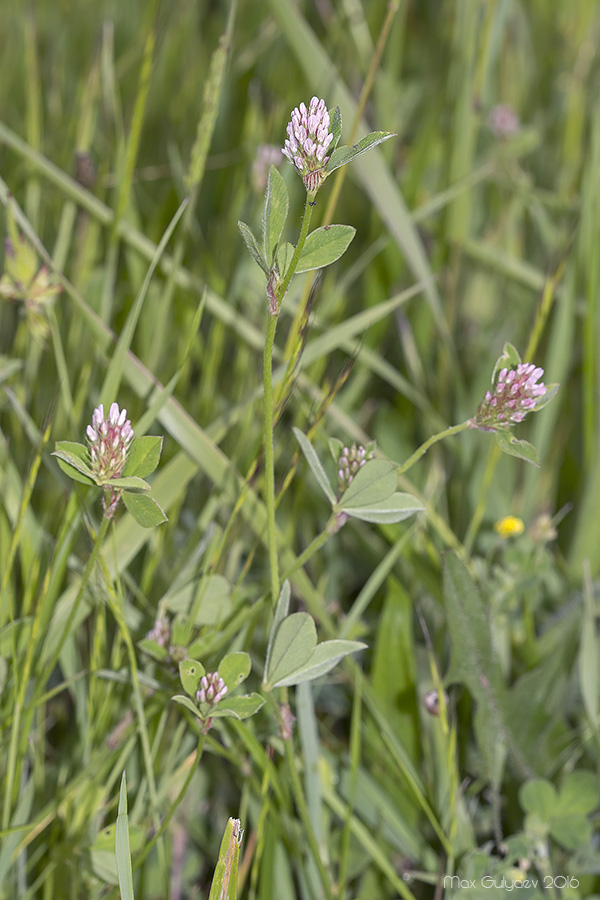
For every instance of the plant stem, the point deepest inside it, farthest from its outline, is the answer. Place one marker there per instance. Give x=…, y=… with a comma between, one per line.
x=319, y=541
x=422, y=450
x=268, y=401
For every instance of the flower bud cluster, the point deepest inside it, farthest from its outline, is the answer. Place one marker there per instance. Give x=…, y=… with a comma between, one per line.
x=212, y=689
x=161, y=633
x=350, y=461
x=307, y=142
x=110, y=440
x=516, y=393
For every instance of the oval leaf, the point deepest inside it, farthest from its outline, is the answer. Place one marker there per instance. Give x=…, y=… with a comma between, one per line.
x=324, y=245
x=234, y=668
x=74, y=460
x=144, y=509
x=143, y=456
x=190, y=672
x=275, y=214
x=315, y=464
x=128, y=483
x=373, y=483
x=189, y=705
x=395, y=509
x=509, y=444
x=238, y=707
x=324, y=657
x=284, y=257
x=281, y=611
x=294, y=642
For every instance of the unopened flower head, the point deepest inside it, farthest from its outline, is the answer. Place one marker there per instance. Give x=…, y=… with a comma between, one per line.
x=503, y=121
x=307, y=142
x=110, y=439
x=161, y=633
x=350, y=461
x=212, y=689
x=516, y=393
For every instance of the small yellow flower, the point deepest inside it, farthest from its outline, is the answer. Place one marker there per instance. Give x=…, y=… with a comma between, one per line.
x=509, y=526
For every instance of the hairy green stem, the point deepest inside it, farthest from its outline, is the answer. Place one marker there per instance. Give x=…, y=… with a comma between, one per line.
x=422, y=450
x=280, y=292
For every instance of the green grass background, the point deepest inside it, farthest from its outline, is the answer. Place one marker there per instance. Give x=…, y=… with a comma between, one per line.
x=501, y=239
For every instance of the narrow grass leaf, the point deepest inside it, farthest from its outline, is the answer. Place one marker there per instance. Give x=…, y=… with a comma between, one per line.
x=324, y=245
x=122, y=848
x=224, y=884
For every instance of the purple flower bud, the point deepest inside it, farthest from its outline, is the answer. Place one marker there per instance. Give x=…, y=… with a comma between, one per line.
x=212, y=689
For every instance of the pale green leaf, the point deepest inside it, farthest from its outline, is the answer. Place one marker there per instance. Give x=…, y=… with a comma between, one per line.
x=511, y=445
x=143, y=456
x=294, y=642
x=252, y=245
x=275, y=214
x=373, y=483
x=394, y=509
x=323, y=246
x=224, y=883
x=190, y=672
x=234, y=668
x=343, y=155
x=323, y=658
x=315, y=464
x=122, y=848
x=187, y=703
x=144, y=509
x=281, y=611
x=238, y=707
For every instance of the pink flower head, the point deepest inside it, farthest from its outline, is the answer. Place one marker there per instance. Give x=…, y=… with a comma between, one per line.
x=110, y=439
x=516, y=393
x=307, y=142
x=212, y=689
